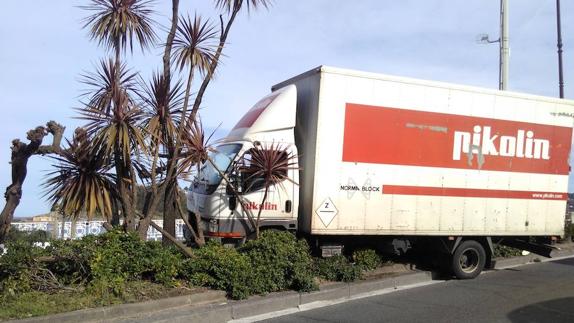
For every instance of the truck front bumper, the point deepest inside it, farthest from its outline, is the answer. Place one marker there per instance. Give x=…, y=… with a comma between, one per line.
x=241, y=228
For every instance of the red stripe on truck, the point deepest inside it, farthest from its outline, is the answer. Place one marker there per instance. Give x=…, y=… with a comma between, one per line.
x=472, y=192
x=253, y=114
x=382, y=135
x=249, y=118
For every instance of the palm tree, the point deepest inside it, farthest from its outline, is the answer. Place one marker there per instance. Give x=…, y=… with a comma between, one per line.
x=82, y=181
x=271, y=163
x=162, y=107
x=114, y=125
x=115, y=24
x=232, y=7
x=193, y=49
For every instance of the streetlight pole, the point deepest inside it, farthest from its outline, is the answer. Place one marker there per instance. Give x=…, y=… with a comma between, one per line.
x=504, y=51
x=559, y=44
x=503, y=44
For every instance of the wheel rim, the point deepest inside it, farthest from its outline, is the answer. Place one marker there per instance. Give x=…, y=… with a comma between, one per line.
x=469, y=260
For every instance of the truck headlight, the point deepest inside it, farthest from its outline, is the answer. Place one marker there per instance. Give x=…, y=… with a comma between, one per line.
x=213, y=225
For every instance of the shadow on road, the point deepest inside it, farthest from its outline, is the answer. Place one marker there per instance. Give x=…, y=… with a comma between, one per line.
x=556, y=310
x=567, y=262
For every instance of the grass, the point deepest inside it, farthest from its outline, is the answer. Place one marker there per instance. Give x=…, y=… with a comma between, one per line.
x=35, y=303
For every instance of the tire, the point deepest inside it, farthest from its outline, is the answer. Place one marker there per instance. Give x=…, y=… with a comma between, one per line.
x=468, y=260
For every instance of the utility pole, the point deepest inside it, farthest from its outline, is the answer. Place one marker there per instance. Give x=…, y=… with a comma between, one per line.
x=559, y=44
x=503, y=41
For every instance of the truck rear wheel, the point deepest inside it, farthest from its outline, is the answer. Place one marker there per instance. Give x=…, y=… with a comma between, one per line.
x=468, y=260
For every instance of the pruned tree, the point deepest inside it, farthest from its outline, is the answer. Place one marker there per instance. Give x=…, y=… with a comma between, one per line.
x=21, y=152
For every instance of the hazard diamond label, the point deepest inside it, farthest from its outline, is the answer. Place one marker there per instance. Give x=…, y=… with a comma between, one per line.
x=327, y=212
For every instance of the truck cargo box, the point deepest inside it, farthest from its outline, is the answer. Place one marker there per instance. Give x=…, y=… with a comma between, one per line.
x=383, y=155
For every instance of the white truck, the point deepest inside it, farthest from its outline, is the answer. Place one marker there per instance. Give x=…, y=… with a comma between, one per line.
x=384, y=159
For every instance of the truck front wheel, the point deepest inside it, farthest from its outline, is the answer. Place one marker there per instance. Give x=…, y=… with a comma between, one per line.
x=468, y=260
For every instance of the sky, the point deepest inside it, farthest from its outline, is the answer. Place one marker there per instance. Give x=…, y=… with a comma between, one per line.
x=44, y=51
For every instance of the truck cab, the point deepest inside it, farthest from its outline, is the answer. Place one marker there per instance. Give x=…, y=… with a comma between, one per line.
x=223, y=198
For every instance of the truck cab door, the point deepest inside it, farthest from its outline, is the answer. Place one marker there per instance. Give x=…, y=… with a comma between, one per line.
x=278, y=209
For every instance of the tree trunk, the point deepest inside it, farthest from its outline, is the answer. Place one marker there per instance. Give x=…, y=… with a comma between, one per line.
x=127, y=207
x=169, y=209
x=21, y=152
x=169, y=41
x=214, y=63
x=261, y=210
x=194, y=226
x=180, y=245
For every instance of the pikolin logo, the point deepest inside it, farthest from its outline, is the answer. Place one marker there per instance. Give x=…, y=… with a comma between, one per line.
x=481, y=142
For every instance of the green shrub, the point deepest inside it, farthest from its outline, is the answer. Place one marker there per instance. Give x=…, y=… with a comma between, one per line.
x=279, y=261
x=569, y=231
x=19, y=269
x=366, y=259
x=337, y=268
x=27, y=236
x=104, y=263
x=162, y=264
x=119, y=257
x=73, y=259
x=220, y=268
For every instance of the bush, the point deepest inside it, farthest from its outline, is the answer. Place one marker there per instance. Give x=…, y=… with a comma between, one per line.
x=19, y=268
x=569, y=231
x=337, y=268
x=279, y=261
x=117, y=257
x=366, y=259
x=104, y=263
x=162, y=264
x=27, y=236
x=220, y=268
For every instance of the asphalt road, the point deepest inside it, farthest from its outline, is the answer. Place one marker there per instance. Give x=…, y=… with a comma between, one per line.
x=542, y=292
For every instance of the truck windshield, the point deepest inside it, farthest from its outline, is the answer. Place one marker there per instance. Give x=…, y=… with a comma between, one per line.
x=208, y=178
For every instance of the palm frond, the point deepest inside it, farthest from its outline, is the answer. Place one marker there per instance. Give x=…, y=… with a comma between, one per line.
x=161, y=103
x=196, y=147
x=270, y=162
x=237, y=5
x=82, y=181
x=194, y=44
x=110, y=90
x=118, y=24
x=115, y=132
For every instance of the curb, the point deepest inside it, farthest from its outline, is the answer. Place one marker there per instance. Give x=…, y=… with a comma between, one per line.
x=330, y=293
x=213, y=306
x=288, y=301
x=126, y=310
x=531, y=258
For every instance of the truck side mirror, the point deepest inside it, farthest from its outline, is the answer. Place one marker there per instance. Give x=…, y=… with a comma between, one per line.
x=232, y=202
x=234, y=183
x=229, y=189
x=288, y=206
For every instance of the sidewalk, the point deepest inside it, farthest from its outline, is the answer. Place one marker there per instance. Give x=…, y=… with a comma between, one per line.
x=212, y=306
